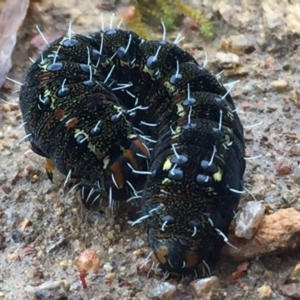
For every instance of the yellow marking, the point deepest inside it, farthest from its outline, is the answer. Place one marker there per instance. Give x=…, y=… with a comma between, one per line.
x=118, y=108
x=171, y=88
x=167, y=165
x=92, y=148
x=177, y=133
x=149, y=71
x=47, y=93
x=106, y=161
x=164, y=193
x=180, y=110
x=178, y=129
x=218, y=175
x=166, y=180
x=79, y=132
x=132, y=136
x=106, y=63
x=124, y=63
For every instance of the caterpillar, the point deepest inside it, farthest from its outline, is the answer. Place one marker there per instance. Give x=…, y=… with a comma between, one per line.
x=126, y=117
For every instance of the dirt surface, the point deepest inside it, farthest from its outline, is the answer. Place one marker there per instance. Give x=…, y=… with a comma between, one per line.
x=43, y=228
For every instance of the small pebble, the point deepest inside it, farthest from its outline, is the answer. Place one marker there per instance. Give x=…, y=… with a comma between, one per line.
x=17, y=236
x=88, y=260
x=52, y=290
x=164, y=291
x=227, y=60
x=297, y=175
x=294, y=150
x=107, y=267
x=296, y=272
x=265, y=292
x=201, y=287
x=291, y=290
x=280, y=85
x=110, y=276
x=111, y=251
x=65, y=264
x=123, y=269
x=248, y=219
x=283, y=166
x=241, y=43
x=110, y=235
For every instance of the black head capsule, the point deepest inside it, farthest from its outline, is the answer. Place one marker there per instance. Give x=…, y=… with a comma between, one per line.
x=208, y=167
x=179, y=159
x=175, y=174
x=55, y=67
x=204, y=180
x=70, y=43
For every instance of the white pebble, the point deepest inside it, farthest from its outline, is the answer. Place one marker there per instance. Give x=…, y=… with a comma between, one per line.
x=107, y=267
x=248, y=219
x=164, y=291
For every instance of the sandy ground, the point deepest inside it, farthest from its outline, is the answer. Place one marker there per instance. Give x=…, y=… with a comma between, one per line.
x=43, y=228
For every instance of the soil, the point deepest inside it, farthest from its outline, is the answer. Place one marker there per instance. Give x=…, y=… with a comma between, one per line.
x=44, y=228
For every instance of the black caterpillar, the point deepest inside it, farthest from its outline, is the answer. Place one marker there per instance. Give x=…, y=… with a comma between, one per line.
x=109, y=108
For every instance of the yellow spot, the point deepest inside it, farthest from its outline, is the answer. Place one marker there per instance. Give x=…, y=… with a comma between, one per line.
x=164, y=193
x=126, y=64
x=218, y=175
x=178, y=131
x=132, y=136
x=167, y=165
x=118, y=108
x=180, y=110
x=47, y=93
x=171, y=88
x=106, y=161
x=166, y=181
x=149, y=71
x=161, y=255
x=92, y=148
x=79, y=132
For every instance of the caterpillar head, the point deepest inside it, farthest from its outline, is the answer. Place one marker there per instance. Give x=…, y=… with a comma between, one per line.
x=180, y=244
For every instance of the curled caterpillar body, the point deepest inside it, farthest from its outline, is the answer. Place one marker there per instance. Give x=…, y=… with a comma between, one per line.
x=94, y=106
